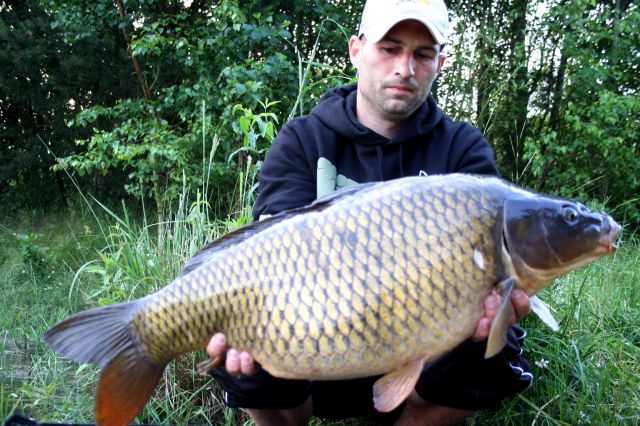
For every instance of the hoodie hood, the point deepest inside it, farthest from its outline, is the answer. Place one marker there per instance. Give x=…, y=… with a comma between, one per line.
x=337, y=110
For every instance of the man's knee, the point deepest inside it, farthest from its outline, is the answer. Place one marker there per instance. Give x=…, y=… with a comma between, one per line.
x=296, y=416
x=417, y=411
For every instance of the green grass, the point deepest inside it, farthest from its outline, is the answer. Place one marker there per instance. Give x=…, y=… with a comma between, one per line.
x=588, y=372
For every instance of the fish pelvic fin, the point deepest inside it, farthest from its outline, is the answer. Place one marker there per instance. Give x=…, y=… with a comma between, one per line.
x=125, y=386
x=102, y=336
x=206, y=367
x=498, y=333
x=393, y=388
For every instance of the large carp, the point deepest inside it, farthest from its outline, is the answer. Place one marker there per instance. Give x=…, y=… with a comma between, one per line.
x=374, y=279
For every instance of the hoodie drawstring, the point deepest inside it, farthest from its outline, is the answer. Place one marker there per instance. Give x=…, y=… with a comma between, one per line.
x=379, y=152
x=381, y=158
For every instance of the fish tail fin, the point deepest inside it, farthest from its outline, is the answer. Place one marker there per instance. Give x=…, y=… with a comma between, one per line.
x=102, y=336
x=124, y=388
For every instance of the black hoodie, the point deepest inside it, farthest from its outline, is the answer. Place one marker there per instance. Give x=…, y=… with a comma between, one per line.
x=329, y=149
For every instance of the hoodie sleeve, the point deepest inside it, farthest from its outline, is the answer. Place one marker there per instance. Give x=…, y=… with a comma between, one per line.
x=474, y=154
x=287, y=178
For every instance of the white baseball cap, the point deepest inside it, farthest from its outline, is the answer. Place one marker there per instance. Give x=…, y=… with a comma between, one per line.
x=379, y=16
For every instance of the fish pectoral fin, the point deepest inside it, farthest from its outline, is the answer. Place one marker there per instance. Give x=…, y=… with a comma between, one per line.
x=391, y=389
x=543, y=311
x=498, y=333
x=206, y=367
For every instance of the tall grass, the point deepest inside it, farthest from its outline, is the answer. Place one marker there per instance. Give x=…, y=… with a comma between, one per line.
x=52, y=265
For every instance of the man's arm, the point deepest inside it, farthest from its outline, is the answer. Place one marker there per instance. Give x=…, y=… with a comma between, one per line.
x=287, y=177
x=472, y=153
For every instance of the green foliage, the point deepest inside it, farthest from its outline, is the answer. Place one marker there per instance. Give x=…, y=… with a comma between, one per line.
x=554, y=87
x=258, y=129
x=600, y=159
x=33, y=254
x=45, y=81
x=196, y=62
x=588, y=145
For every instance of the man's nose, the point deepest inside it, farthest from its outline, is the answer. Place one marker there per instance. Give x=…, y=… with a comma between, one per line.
x=406, y=66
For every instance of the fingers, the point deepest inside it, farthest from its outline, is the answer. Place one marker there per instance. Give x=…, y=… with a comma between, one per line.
x=232, y=363
x=521, y=304
x=217, y=345
x=491, y=304
x=240, y=363
x=521, y=308
x=482, y=329
x=236, y=362
x=247, y=365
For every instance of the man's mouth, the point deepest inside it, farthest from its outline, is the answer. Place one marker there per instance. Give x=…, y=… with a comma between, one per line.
x=401, y=88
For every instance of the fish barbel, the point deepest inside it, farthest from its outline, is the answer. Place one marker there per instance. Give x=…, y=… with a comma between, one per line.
x=373, y=279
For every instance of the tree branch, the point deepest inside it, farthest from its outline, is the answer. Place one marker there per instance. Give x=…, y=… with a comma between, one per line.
x=136, y=65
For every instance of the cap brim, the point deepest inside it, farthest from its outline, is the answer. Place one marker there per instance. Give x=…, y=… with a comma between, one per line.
x=374, y=35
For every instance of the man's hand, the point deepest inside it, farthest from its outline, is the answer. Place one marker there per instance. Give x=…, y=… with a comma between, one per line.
x=521, y=308
x=236, y=362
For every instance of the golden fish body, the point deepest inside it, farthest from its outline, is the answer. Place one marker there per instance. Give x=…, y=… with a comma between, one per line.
x=375, y=279
x=356, y=289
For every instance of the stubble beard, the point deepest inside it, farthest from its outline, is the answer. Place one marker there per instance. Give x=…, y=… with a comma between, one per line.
x=401, y=108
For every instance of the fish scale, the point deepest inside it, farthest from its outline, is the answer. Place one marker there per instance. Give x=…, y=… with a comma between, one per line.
x=376, y=279
x=327, y=282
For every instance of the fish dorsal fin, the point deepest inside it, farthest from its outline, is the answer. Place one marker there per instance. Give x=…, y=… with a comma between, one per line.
x=341, y=193
x=391, y=389
x=241, y=234
x=544, y=312
x=498, y=333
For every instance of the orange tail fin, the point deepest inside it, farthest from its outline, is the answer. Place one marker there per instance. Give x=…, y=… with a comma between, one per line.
x=102, y=336
x=124, y=388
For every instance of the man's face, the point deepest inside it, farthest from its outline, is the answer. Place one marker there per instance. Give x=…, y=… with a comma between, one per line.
x=395, y=75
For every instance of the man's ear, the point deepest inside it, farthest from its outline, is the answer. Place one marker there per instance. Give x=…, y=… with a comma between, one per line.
x=355, y=47
x=441, y=59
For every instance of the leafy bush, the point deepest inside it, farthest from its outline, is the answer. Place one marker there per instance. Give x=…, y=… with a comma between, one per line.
x=34, y=255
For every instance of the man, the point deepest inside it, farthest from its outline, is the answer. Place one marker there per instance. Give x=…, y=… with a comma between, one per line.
x=385, y=127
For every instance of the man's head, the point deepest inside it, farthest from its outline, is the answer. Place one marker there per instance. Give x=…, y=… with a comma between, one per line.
x=398, y=54
x=379, y=16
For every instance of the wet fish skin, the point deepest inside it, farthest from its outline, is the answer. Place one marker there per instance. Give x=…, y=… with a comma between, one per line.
x=333, y=295
x=372, y=280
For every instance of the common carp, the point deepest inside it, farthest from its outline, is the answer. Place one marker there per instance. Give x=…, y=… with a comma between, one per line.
x=374, y=279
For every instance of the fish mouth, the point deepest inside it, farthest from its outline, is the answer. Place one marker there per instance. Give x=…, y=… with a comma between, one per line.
x=609, y=235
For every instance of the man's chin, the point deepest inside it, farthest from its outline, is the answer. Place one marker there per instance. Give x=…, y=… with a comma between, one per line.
x=399, y=109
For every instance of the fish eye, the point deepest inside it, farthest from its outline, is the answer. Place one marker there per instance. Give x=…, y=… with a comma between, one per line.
x=570, y=215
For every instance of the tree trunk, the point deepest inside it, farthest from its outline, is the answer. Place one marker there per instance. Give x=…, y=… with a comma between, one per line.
x=157, y=192
x=518, y=97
